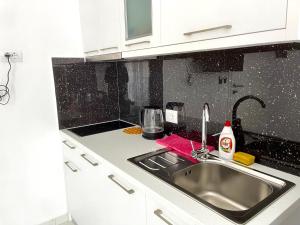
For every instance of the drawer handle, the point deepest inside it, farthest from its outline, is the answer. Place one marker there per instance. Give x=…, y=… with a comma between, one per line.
x=136, y=43
x=68, y=164
x=208, y=29
x=89, y=159
x=107, y=48
x=159, y=213
x=69, y=144
x=129, y=191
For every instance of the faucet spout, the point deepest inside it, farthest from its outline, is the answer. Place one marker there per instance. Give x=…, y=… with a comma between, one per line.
x=203, y=152
x=236, y=105
x=236, y=122
x=205, y=119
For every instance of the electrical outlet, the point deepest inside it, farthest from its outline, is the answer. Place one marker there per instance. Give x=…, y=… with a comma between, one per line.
x=15, y=56
x=172, y=116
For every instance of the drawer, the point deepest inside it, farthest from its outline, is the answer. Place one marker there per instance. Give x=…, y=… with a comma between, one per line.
x=160, y=212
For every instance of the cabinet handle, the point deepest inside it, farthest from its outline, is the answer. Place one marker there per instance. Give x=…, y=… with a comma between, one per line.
x=159, y=213
x=113, y=47
x=91, y=52
x=135, y=43
x=74, y=170
x=69, y=144
x=89, y=159
x=129, y=191
x=208, y=29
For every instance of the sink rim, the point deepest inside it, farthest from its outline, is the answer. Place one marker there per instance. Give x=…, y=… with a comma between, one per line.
x=239, y=217
x=239, y=167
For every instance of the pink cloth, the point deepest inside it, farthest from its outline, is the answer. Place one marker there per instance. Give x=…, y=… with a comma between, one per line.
x=181, y=145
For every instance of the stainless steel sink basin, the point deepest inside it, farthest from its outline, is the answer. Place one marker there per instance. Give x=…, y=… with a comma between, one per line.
x=233, y=191
x=224, y=187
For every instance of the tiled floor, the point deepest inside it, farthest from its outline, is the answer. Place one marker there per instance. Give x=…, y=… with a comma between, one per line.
x=68, y=223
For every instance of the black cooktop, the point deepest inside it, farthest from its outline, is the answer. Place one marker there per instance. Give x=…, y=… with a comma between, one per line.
x=100, y=128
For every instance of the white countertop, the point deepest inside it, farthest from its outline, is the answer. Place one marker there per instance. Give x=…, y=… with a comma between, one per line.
x=116, y=147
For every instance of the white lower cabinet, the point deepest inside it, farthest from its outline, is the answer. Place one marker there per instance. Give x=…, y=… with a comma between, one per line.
x=97, y=195
x=73, y=179
x=83, y=182
x=100, y=194
x=159, y=212
x=123, y=202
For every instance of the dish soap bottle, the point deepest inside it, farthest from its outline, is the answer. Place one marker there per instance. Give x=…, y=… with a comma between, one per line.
x=226, y=142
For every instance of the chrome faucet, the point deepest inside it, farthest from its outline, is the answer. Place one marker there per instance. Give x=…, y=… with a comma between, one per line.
x=203, y=152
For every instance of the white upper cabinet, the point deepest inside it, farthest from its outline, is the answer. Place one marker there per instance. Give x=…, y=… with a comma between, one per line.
x=90, y=21
x=110, y=25
x=101, y=26
x=138, y=28
x=194, y=20
x=141, y=25
x=138, y=18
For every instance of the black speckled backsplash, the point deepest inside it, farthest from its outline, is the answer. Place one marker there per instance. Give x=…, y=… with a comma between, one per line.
x=86, y=93
x=263, y=83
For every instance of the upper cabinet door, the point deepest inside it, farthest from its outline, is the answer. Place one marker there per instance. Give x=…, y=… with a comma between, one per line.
x=90, y=25
x=194, y=20
x=138, y=18
x=141, y=24
x=110, y=25
x=101, y=26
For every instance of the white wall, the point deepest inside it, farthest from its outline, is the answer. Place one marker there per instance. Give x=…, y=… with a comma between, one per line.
x=31, y=173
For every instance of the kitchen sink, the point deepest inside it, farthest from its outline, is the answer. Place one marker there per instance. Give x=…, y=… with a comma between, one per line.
x=232, y=190
x=225, y=187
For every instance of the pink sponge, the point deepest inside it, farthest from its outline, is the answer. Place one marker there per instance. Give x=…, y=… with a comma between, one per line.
x=181, y=145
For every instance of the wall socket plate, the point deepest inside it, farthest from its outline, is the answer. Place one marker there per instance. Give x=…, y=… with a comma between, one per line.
x=16, y=56
x=171, y=116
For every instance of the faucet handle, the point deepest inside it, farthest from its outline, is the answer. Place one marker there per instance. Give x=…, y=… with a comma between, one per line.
x=195, y=154
x=203, y=150
x=201, y=154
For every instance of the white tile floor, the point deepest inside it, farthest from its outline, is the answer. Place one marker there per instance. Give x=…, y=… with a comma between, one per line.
x=68, y=223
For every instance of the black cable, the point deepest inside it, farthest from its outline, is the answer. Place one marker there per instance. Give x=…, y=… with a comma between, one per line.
x=4, y=90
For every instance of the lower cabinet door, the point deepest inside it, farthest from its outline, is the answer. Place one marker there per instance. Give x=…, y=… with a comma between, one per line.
x=122, y=202
x=84, y=190
x=74, y=179
x=161, y=213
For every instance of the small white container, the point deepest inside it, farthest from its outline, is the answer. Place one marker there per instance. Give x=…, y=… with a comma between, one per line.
x=226, y=142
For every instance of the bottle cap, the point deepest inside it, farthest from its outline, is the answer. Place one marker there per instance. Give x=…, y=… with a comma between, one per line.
x=227, y=123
